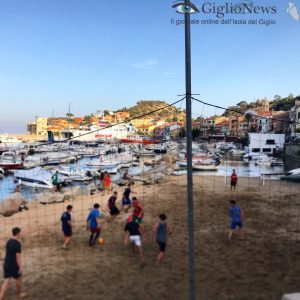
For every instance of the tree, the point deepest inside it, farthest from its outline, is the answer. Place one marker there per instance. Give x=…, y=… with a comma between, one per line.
x=182, y=133
x=69, y=115
x=195, y=133
x=277, y=98
x=212, y=129
x=248, y=117
x=106, y=112
x=243, y=104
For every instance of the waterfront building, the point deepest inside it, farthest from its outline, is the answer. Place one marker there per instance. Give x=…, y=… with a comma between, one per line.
x=265, y=142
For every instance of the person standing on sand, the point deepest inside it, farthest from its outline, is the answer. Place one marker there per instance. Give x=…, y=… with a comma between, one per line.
x=233, y=180
x=101, y=181
x=55, y=183
x=133, y=233
x=93, y=224
x=161, y=231
x=13, y=264
x=237, y=215
x=66, y=225
x=107, y=182
x=113, y=210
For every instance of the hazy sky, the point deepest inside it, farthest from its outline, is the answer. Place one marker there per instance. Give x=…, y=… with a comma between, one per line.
x=109, y=54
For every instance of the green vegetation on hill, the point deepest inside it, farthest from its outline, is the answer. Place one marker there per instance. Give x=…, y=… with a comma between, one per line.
x=277, y=104
x=143, y=107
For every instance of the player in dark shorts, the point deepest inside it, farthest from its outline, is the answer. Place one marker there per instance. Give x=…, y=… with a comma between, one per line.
x=126, y=202
x=93, y=224
x=160, y=233
x=66, y=226
x=113, y=210
x=12, y=264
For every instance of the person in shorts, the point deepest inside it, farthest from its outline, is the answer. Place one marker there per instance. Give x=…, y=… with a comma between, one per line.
x=233, y=180
x=12, y=264
x=133, y=233
x=138, y=211
x=93, y=224
x=113, y=210
x=107, y=182
x=66, y=226
x=126, y=202
x=236, y=214
x=160, y=233
x=55, y=182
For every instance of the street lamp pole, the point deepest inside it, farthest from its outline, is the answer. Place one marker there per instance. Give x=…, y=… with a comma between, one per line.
x=192, y=286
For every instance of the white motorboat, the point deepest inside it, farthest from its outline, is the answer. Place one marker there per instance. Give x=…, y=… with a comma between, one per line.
x=36, y=178
x=201, y=167
x=237, y=152
x=2, y=173
x=104, y=164
x=144, y=152
x=263, y=161
x=75, y=174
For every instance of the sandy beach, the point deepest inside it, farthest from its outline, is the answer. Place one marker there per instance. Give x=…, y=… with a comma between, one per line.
x=264, y=265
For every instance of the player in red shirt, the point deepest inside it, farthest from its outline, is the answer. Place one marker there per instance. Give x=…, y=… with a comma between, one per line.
x=138, y=211
x=233, y=180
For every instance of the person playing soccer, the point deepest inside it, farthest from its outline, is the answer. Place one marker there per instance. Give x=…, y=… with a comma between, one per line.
x=138, y=211
x=133, y=233
x=113, y=210
x=93, y=224
x=66, y=225
x=237, y=215
x=126, y=202
x=160, y=232
x=13, y=264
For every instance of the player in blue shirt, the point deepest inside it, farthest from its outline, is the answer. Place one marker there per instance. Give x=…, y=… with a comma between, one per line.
x=237, y=215
x=66, y=226
x=93, y=224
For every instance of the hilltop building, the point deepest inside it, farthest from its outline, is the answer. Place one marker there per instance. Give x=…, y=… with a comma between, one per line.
x=39, y=127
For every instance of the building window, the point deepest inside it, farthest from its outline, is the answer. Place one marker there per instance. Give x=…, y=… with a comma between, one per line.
x=270, y=142
x=255, y=149
x=267, y=150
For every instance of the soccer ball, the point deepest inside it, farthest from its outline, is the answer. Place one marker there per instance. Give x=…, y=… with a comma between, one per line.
x=101, y=241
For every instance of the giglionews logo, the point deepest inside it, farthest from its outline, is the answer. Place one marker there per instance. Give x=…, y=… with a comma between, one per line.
x=228, y=8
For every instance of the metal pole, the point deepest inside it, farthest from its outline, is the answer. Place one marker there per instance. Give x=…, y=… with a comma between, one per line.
x=192, y=287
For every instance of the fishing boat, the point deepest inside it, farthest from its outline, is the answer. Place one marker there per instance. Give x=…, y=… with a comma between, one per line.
x=139, y=139
x=11, y=165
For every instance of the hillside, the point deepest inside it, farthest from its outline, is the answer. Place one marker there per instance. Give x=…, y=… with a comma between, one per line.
x=277, y=104
x=143, y=107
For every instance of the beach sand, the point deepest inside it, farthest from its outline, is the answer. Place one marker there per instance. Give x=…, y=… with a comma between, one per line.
x=264, y=265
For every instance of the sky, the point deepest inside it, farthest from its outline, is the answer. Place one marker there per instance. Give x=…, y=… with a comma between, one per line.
x=97, y=55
